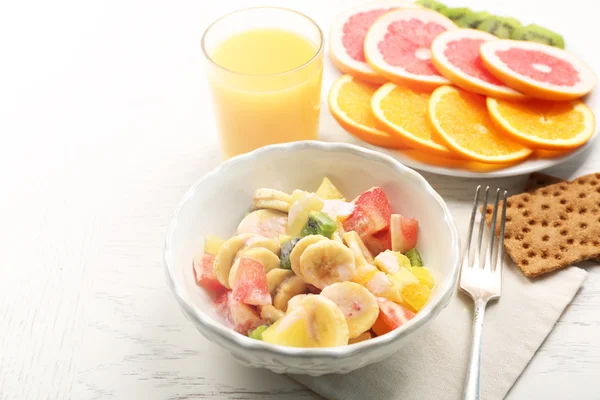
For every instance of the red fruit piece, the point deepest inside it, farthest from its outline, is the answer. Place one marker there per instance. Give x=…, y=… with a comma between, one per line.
x=204, y=273
x=251, y=283
x=391, y=316
x=222, y=304
x=243, y=317
x=379, y=242
x=371, y=213
x=404, y=232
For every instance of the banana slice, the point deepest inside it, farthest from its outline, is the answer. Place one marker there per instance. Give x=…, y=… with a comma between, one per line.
x=265, y=257
x=362, y=255
x=327, y=262
x=270, y=314
x=271, y=199
x=226, y=256
x=296, y=301
x=299, y=249
x=276, y=277
x=289, y=288
x=255, y=241
x=267, y=223
x=358, y=305
x=316, y=322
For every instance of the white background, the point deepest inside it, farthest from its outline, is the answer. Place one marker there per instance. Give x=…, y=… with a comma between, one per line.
x=104, y=123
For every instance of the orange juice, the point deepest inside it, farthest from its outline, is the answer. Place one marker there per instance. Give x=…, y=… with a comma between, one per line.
x=266, y=86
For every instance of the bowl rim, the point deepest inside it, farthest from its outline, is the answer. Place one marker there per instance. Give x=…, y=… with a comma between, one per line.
x=427, y=313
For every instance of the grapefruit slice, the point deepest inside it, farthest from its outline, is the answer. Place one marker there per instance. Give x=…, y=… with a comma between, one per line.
x=350, y=105
x=347, y=36
x=463, y=122
x=398, y=47
x=455, y=54
x=537, y=69
x=544, y=124
x=404, y=112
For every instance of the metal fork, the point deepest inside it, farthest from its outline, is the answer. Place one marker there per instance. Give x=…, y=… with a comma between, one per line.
x=482, y=280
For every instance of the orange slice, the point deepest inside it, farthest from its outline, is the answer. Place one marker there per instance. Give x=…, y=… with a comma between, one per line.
x=398, y=47
x=455, y=54
x=404, y=112
x=350, y=105
x=541, y=71
x=543, y=124
x=463, y=122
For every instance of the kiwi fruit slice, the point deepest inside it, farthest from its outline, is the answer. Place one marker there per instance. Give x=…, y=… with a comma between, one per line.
x=536, y=33
x=319, y=224
x=502, y=27
x=473, y=19
x=456, y=14
x=432, y=4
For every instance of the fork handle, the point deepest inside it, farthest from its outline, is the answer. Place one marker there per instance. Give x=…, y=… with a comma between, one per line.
x=473, y=371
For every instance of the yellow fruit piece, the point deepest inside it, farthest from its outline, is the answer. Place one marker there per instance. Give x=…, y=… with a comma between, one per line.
x=364, y=274
x=423, y=275
x=382, y=285
x=284, y=238
x=315, y=322
x=303, y=204
x=391, y=262
x=415, y=296
x=544, y=124
x=350, y=104
x=403, y=278
x=404, y=112
x=328, y=191
x=212, y=244
x=464, y=124
x=403, y=261
x=361, y=338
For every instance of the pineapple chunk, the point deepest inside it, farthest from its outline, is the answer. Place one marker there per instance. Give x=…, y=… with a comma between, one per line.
x=328, y=191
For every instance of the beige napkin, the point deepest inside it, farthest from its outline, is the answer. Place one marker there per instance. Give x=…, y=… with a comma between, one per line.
x=433, y=366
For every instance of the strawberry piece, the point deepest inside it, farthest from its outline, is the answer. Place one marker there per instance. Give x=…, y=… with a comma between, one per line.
x=404, y=232
x=205, y=274
x=391, y=316
x=379, y=242
x=371, y=213
x=243, y=317
x=222, y=304
x=251, y=283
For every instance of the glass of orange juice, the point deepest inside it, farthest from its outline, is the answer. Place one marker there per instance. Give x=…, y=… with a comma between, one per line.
x=264, y=68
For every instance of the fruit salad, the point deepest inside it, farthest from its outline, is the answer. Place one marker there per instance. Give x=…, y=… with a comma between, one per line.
x=312, y=269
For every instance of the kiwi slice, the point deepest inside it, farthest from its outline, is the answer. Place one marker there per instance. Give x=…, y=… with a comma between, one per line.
x=286, y=250
x=473, y=19
x=456, y=14
x=257, y=332
x=415, y=258
x=502, y=27
x=319, y=223
x=536, y=33
x=432, y=4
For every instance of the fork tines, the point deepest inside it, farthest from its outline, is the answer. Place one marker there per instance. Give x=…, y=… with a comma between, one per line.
x=490, y=261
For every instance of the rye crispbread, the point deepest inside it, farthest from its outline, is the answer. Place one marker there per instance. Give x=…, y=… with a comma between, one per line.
x=554, y=226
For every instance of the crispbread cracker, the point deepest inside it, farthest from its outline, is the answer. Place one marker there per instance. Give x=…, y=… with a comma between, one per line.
x=538, y=180
x=554, y=227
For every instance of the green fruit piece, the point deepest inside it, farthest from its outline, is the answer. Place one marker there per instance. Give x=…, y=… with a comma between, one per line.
x=432, y=4
x=473, y=20
x=319, y=224
x=257, y=333
x=456, y=14
x=414, y=257
x=284, y=255
x=539, y=34
x=502, y=27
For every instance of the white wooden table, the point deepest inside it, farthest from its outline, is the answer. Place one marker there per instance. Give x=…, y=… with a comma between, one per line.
x=105, y=121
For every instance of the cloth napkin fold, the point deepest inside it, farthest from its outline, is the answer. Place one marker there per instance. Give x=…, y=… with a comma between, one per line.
x=433, y=365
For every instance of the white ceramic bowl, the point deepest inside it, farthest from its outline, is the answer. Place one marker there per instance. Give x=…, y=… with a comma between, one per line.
x=217, y=202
